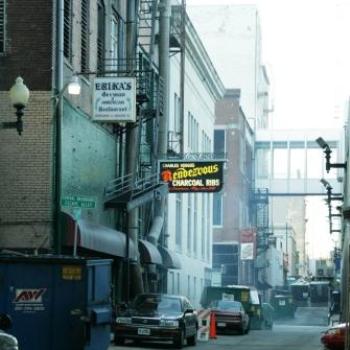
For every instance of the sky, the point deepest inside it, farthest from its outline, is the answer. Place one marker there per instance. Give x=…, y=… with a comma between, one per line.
x=304, y=47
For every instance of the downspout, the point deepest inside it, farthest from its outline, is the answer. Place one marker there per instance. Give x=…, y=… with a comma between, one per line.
x=164, y=71
x=57, y=114
x=134, y=282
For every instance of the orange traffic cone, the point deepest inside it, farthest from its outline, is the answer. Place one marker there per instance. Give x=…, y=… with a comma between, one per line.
x=212, y=327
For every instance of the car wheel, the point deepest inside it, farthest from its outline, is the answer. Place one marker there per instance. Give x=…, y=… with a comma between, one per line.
x=118, y=340
x=192, y=341
x=179, y=341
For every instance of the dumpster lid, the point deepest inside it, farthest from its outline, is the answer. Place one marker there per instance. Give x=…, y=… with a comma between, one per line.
x=97, y=238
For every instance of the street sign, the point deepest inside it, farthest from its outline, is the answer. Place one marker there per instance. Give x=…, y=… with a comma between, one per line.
x=79, y=202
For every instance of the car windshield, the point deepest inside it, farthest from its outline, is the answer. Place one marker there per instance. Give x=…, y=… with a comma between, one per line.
x=227, y=305
x=157, y=304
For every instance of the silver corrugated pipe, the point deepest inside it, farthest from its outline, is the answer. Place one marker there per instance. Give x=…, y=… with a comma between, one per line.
x=164, y=72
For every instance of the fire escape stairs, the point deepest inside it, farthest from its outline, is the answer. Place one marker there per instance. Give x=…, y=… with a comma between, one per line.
x=126, y=193
x=146, y=24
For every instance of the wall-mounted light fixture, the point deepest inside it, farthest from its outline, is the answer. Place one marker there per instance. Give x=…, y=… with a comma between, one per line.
x=19, y=95
x=327, y=150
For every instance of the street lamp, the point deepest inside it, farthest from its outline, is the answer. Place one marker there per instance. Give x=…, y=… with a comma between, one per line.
x=73, y=87
x=327, y=150
x=19, y=95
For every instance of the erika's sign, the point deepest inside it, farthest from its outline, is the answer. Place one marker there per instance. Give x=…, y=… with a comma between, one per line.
x=114, y=100
x=192, y=176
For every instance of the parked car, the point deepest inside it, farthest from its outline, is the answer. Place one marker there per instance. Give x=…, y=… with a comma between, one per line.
x=230, y=315
x=268, y=312
x=248, y=296
x=334, y=337
x=7, y=341
x=157, y=317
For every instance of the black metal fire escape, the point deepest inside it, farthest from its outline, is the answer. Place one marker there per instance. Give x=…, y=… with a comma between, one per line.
x=129, y=191
x=260, y=212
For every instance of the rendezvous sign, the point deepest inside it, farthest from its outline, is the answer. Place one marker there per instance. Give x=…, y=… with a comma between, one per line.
x=114, y=99
x=187, y=176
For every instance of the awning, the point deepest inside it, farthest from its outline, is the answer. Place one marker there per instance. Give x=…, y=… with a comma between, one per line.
x=170, y=259
x=149, y=253
x=97, y=238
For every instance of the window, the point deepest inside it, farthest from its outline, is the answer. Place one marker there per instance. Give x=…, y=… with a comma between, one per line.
x=115, y=40
x=208, y=246
x=189, y=222
x=171, y=283
x=2, y=26
x=203, y=226
x=178, y=227
x=219, y=142
x=178, y=287
x=85, y=30
x=101, y=32
x=297, y=163
x=177, y=114
x=280, y=163
x=189, y=287
x=217, y=209
x=315, y=163
x=67, y=30
x=195, y=223
x=263, y=163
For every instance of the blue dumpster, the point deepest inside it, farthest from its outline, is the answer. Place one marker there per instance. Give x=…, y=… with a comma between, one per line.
x=57, y=302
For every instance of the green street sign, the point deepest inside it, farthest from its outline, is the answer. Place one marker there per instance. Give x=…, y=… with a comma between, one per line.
x=79, y=202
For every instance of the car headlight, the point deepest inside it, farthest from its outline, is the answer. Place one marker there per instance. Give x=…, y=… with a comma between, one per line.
x=169, y=323
x=126, y=320
x=333, y=331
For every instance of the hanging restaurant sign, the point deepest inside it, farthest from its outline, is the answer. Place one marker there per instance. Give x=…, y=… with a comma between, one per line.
x=114, y=99
x=183, y=176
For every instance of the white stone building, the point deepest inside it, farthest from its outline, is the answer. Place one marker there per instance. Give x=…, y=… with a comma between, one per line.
x=189, y=226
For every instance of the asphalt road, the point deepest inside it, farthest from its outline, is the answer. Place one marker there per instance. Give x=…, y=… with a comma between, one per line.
x=301, y=333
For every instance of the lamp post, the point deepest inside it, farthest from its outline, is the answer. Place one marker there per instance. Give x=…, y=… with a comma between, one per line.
x=73, y=87
x=19, y=95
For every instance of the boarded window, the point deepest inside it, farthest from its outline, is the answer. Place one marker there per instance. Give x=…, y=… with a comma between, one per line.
x=2, y=26
x=67, y=30
x=85, y=28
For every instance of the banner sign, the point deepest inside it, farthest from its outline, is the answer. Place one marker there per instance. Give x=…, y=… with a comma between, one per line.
x=187, y=176
x=114, y=99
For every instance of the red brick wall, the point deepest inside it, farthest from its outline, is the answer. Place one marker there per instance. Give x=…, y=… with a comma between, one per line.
x=28, y=45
